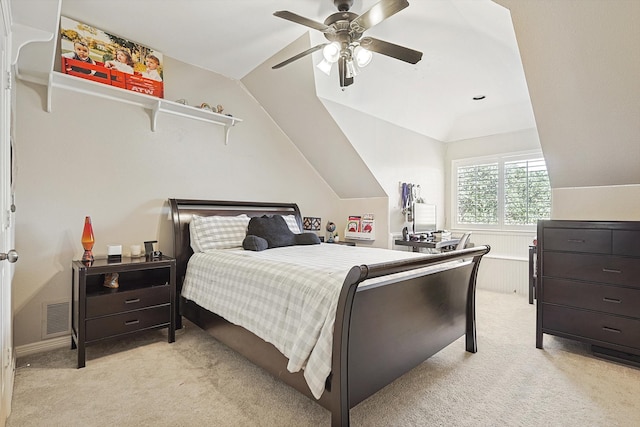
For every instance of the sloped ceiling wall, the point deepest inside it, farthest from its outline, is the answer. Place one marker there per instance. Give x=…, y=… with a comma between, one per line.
x=582, y=65
x=289, y=95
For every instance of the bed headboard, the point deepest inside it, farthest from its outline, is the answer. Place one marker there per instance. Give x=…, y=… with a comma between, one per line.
x=183, y=209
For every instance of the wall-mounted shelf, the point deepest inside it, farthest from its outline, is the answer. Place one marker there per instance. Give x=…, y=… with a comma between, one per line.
x=359, y=236
x=151, y=103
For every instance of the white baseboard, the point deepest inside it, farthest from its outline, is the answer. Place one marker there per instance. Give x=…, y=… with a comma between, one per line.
x=41, y=346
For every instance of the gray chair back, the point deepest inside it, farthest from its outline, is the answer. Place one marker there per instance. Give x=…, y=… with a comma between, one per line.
x=463, y=241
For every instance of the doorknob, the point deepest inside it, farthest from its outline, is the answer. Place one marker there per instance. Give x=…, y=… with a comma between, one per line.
x=11, y=256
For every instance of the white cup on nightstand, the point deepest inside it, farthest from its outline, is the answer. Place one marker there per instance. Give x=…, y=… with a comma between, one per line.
x=135, y=251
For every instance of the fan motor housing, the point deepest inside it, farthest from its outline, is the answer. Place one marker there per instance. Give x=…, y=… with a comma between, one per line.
x=343, y=5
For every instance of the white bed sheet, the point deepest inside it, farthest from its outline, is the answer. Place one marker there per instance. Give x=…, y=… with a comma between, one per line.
x=287, y=296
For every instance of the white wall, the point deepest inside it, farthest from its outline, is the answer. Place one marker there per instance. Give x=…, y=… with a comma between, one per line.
x=395, y=155
x=97, y=157
x=606, y=203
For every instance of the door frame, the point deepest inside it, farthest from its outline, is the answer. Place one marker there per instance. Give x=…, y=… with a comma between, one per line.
x=7, y=223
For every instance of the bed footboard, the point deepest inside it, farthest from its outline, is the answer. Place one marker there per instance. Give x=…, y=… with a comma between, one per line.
x=382, y=332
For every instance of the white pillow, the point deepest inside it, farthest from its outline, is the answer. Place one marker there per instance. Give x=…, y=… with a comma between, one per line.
x=292, y=223
x=217, y=232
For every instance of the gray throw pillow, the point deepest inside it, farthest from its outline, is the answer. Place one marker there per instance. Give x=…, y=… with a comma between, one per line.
x=276, y=232
x=307, y=239
x=254, y=243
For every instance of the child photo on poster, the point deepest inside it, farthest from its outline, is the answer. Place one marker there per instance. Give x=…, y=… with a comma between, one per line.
x=94, y=54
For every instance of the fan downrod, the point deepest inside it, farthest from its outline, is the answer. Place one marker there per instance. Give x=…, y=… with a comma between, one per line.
x=343, y=5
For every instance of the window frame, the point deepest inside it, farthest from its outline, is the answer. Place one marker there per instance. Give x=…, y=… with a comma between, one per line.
x=500, y=159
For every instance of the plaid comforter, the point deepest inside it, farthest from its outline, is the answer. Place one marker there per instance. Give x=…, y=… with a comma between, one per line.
x=287, y=296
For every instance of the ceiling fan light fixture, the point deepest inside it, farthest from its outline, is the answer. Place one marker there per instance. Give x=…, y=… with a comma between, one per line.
x=325, y=67
x=331, y=52
x=363, y=56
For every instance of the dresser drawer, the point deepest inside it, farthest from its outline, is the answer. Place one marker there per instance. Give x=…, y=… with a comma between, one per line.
x=626, y=242
x=592, y=325
x=577, y=240
x=117, y=302
x=592, y=268
x=131, y=321
x=605, y=298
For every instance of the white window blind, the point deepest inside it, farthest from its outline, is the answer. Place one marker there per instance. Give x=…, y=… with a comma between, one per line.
x=527, y=195
x=478, y=194
x=501, y=192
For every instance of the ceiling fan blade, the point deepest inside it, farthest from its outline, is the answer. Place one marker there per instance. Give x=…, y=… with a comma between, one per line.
x=298, y=56
x=290, y=16
x=377, y=13
x=342, y=70
x=393, y=50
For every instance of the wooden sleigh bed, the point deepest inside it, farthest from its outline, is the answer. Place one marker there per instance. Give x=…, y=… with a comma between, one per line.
x=380, y=332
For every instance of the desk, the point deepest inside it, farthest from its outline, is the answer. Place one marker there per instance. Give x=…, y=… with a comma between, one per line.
x=431, y=244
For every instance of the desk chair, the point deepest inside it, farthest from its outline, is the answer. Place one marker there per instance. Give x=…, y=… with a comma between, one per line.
x=463, y=241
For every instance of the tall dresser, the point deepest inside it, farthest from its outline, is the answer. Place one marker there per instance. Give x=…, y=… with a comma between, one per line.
x=588, y=285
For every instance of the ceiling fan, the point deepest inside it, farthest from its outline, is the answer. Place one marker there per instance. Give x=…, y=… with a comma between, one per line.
x=346, y=45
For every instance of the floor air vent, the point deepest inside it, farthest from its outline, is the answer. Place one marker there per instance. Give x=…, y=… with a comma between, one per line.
x=55, y=319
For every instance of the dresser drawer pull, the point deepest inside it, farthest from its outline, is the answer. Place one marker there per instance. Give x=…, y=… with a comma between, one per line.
x=575, y=240
x=610, y=270
x=131, y=322
x=606, y=328
x=132, y=301
x=616, y=300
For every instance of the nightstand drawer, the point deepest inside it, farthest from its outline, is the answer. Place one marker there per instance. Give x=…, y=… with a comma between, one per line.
x=592, y=268
x=577, y=240
x=592, y=325
x=604, y=298
x=117, y=302
x=131, y=321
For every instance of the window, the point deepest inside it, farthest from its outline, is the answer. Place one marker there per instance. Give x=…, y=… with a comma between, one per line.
x=510, y=191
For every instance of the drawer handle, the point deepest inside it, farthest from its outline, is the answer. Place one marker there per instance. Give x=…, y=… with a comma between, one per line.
x=131, y=322
x=575, y=240
x=610, y=270
x=132, y=301
x=606, y=328
x=617, y=301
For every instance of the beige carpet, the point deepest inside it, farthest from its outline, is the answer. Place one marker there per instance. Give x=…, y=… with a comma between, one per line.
x=144, y=381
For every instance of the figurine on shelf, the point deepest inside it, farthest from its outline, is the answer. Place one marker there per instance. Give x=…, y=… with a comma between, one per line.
x=219, y=109
x=111, y=280
x=331, y=229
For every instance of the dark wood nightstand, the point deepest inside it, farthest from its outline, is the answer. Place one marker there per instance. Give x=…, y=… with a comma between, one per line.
x=144, y=300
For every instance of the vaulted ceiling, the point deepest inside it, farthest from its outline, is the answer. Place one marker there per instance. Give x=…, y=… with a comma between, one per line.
x=469, y=50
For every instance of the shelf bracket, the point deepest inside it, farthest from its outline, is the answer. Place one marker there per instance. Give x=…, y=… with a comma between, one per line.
x=227, y=129
x=23, y=35
x=49, y=92
x=154, y=116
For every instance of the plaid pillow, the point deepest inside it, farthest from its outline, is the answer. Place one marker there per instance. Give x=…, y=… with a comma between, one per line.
x=217, y=232
x=292, y=223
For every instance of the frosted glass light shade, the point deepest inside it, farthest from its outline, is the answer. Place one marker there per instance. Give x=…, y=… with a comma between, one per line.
x=325, y=67
x=331, y=52
x=362, y=56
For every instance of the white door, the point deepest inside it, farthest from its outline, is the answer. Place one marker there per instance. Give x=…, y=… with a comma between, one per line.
x=7, y=254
